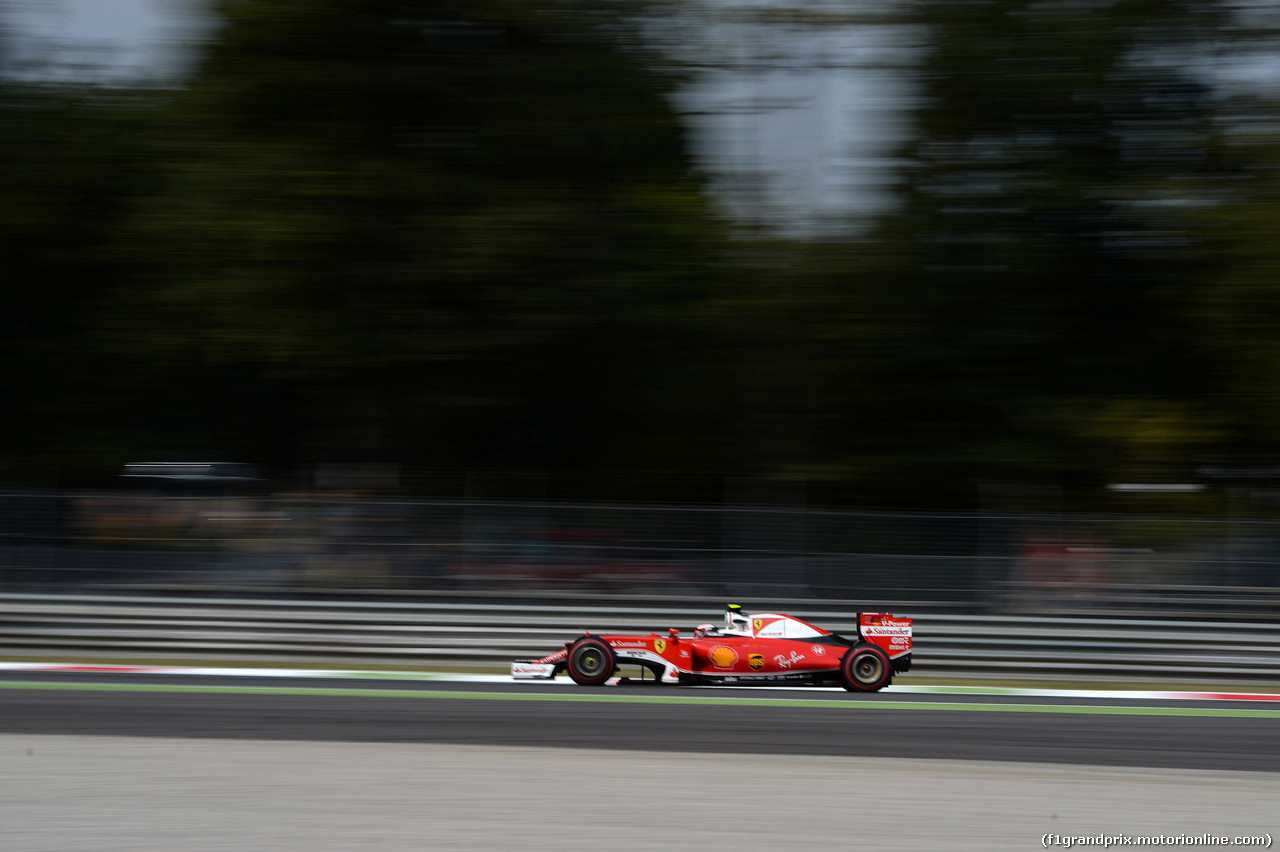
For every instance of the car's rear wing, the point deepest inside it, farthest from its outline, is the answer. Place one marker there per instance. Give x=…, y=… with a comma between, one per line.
x=893, y=635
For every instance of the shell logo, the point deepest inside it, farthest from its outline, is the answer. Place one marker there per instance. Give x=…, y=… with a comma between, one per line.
x=723, y=657
x=660, y=645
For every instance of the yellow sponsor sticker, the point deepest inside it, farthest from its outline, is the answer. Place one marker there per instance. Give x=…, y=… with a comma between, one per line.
x=756, y=661
x=759, y=623
x=723, y=657
x=660, y=645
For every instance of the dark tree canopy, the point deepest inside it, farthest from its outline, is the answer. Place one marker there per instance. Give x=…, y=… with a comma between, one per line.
x=457, y=234
x=468, y=236
x=1032, y=329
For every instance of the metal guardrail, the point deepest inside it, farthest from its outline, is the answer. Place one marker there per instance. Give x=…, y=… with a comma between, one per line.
x=494, y=633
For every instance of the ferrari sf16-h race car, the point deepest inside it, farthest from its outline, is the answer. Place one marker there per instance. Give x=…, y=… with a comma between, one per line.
x=750, y=649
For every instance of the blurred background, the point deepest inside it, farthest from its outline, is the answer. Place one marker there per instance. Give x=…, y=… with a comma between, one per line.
x=964, y=305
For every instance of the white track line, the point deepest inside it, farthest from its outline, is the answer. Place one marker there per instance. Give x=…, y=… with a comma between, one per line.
x=906, y=689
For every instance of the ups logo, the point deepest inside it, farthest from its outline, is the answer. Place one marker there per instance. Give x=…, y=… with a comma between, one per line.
x=756, y=661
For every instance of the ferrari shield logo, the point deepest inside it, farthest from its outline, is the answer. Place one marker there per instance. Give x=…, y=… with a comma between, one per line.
x=756, y=660
x=759, y=623
x=660, y=645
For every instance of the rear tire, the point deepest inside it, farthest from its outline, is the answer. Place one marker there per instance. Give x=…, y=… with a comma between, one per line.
x=865, y=668
x=591, y=662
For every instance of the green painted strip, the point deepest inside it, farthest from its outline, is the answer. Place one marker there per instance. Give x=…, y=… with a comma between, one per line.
x=972, y=690
x=685, y=699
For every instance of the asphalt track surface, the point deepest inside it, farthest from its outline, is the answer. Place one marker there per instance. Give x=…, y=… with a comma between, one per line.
x=648, y=718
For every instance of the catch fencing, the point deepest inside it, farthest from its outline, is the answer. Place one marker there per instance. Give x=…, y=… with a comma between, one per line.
x=495, y=631
x=308, y=546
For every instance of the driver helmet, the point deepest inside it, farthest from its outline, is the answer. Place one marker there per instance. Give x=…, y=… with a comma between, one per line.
x=706, y=629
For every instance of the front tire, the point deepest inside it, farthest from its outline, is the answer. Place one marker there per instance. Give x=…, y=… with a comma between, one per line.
x=865, y=668
x=591, y=662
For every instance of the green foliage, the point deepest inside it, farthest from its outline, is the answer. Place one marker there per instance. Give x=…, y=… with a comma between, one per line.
x=468, y=236
x=1030, y=285
x=444, y=234
x=70, y=166
x=1236, y=308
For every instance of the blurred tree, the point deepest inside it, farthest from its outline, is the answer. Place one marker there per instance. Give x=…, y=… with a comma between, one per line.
x=467, y=235
x=1236, y=307
x=1027, y=318
x=444, y=233
x=70, y=161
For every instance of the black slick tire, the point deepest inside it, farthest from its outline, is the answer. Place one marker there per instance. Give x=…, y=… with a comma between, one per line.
x=865, y=668
x=591, y=662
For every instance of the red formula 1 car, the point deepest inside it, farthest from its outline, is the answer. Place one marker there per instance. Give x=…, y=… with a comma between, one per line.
x=758, y=648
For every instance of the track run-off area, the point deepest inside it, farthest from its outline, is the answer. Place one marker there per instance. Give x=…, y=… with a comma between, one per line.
x=131, y=757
